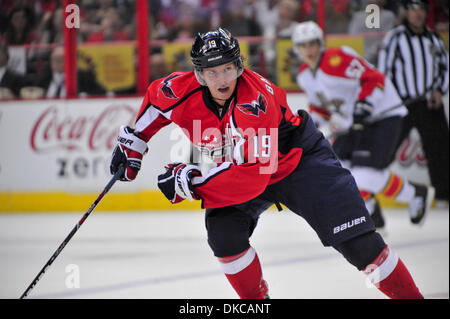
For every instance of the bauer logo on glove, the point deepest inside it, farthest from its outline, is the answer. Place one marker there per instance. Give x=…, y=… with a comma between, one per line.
x=129, y=151
x=124, y=141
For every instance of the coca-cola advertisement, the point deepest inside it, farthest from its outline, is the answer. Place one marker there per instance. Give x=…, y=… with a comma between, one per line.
x=64, y=145
x=56, y=129
x=411, y=152
x=410, y=160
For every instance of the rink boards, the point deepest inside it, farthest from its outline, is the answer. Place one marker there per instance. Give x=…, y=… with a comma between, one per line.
x=56, y=154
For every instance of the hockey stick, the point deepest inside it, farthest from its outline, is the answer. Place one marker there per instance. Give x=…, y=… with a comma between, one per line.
x=74, y=230
x=407, y=102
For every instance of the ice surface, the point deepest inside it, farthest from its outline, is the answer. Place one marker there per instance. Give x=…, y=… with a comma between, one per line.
x=164, y=255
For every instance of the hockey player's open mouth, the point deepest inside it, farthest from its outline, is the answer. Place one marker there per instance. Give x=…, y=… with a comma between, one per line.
x=224, y=90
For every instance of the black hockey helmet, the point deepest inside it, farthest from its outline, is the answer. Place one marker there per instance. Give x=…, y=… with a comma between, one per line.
x=408, y=3
x=215, y=48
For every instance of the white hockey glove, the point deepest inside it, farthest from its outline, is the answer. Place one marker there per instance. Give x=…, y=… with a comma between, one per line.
x=176, y=182
x=326, y=130
x=129, y=152
x=335, y=125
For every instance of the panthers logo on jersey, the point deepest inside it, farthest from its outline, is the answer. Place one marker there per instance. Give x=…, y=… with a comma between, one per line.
x=254, y=107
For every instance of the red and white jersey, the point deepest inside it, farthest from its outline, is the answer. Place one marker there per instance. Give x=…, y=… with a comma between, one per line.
x=343, y=78
x=243, y=139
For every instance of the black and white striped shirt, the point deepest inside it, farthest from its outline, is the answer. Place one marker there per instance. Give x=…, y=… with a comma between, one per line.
x=416, y=64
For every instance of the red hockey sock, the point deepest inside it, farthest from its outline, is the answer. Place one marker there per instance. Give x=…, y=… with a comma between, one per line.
x=393, y=187
x=391, y=277
x=244, y=273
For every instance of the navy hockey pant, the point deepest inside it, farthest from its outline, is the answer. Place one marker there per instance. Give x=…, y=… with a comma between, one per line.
x=321, y=191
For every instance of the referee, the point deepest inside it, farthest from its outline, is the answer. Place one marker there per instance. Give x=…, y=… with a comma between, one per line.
x=416, y=60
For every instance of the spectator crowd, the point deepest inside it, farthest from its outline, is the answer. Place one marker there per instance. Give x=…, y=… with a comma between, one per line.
x=31, y=22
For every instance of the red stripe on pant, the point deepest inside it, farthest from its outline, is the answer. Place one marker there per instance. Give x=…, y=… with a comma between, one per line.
x=394, y=186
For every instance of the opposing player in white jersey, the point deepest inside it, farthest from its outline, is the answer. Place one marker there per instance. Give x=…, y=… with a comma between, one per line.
x=359, y=109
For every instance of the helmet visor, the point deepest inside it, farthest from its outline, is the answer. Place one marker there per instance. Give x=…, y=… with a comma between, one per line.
x=220, y=75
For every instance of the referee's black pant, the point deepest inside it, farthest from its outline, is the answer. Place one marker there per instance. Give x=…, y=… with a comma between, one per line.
x=433, y=130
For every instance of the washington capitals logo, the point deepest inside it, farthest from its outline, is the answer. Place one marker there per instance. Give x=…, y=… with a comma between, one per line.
x=166, y=88
x=255, y=106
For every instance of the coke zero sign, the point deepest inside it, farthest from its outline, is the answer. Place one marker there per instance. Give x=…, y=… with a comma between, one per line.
x=56, y=130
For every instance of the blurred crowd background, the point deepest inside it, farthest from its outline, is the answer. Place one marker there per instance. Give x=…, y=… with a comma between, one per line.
x=31, y=37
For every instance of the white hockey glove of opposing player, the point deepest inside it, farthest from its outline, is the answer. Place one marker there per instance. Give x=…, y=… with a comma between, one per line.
x=176, y=182
x=362, y=111
x=335, y=125
x=129, y=152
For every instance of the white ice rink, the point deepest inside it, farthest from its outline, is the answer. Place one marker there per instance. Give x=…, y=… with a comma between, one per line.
x=165, y=255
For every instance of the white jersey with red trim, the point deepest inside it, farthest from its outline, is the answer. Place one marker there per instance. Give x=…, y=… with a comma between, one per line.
x=343, y=78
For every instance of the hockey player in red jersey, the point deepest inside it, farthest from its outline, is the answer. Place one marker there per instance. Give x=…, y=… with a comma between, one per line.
x=350, y=99
x=265, y=154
